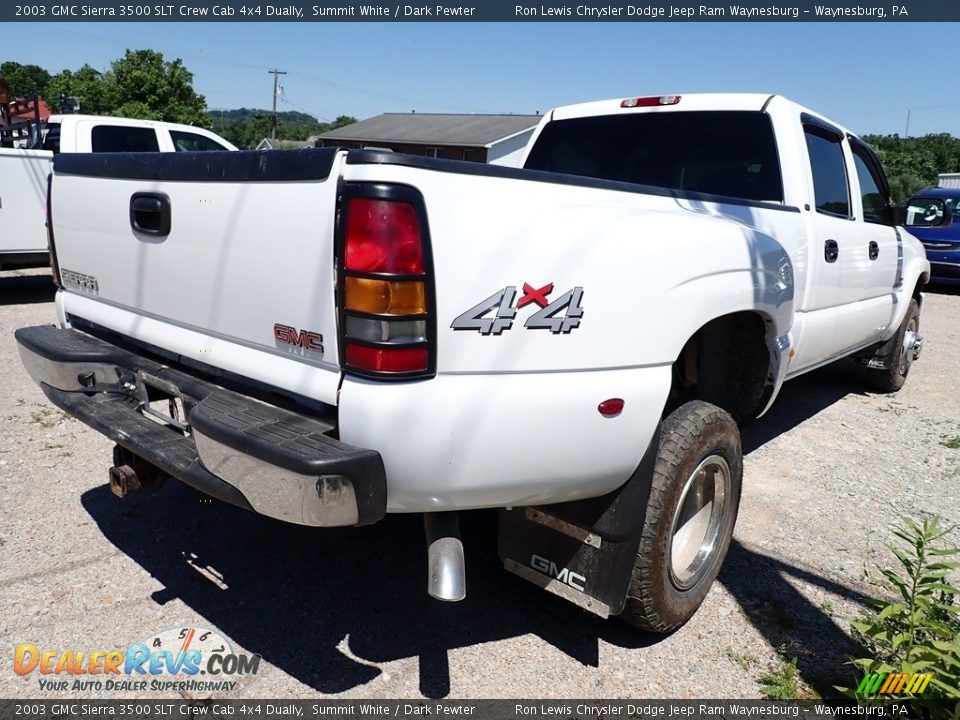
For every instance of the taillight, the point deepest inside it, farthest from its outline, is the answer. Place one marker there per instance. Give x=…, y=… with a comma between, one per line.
x=51, y=246
x=385, y=287
x=383, y=237
x=654, y=101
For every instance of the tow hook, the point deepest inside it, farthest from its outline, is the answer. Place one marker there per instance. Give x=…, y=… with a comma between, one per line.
x=446, y=573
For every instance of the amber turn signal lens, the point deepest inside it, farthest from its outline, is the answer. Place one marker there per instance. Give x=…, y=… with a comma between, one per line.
x=392, y=297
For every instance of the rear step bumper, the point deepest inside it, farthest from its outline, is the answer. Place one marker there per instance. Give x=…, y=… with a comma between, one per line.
x=260, y=457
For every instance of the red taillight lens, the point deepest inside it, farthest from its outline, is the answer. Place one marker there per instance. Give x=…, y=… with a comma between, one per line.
x=382, y=236
x=387, y=359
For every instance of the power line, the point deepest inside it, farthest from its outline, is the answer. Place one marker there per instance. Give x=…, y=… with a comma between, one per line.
x=276, y=85
x=205, y=57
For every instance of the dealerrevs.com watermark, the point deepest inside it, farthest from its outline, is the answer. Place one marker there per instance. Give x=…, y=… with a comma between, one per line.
x=189, y=659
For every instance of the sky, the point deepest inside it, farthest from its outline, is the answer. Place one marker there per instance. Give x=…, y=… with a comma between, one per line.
x=866, y=76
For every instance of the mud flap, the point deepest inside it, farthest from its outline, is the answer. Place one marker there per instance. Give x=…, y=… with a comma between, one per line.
x=582, y=551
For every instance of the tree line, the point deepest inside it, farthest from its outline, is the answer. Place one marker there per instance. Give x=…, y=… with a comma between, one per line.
x=912, y=163
x=142, y=84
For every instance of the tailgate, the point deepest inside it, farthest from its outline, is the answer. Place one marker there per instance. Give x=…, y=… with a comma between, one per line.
x=219, y=257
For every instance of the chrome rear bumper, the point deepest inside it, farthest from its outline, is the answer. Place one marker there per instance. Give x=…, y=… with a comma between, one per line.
x=267, y=459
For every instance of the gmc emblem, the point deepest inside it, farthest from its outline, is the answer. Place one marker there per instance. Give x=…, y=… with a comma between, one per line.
x=298, y=338
x=564, y=575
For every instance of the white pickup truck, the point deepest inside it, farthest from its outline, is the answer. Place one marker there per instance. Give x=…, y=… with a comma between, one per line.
x=325, y=337
x=23, y=172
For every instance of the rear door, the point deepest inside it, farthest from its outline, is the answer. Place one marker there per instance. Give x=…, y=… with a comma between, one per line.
x=837, y=263
x=876, y=224
x=207, y=255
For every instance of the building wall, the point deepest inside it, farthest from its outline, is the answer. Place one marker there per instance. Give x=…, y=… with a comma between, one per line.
x=950, y=180
x=510, y=152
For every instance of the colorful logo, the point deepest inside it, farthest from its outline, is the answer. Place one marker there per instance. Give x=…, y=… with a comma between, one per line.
x=894, y=683
x=186, y=652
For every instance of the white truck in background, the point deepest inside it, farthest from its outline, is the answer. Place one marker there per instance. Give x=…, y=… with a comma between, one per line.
x=575, y=342
x=26, y=160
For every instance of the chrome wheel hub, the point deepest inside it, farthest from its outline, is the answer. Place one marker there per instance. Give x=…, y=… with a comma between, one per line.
x=699, y=521
x=912, y=345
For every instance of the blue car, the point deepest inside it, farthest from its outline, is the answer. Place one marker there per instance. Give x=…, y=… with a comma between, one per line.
x=941, y=243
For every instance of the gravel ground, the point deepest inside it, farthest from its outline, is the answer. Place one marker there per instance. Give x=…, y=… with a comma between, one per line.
x=344, y=612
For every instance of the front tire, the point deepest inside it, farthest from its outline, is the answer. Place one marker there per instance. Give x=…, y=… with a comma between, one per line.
x=690, y=516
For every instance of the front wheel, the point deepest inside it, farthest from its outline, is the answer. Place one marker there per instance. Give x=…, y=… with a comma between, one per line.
x=690, y=516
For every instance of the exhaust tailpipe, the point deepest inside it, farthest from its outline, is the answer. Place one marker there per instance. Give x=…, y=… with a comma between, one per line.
x=446, y=571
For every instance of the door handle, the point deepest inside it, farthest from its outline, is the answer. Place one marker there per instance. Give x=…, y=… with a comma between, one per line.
x=150, y=213
x=874, y=250
x=831, y=251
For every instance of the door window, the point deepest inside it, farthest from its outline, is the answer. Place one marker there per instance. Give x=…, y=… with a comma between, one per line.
x=192, y=142
x=830, y=188
x=876, y=206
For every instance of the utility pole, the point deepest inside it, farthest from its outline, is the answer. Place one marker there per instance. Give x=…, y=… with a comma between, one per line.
x=273, y=118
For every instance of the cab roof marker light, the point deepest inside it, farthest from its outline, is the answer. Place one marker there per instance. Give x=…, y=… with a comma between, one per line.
x=652, y=101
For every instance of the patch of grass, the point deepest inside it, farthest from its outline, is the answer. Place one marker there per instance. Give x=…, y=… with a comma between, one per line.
x=920, y=630
x=744, y=661
x=827, y=606
x=892, y=408
x=952, y=441
x=44, y=418
x=781, y=683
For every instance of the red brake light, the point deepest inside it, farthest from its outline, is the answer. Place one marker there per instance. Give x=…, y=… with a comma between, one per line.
x=383, y=236
x=654, y=101
x=387, y=359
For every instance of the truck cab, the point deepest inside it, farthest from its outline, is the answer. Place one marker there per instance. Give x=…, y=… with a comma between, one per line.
x=93, y=133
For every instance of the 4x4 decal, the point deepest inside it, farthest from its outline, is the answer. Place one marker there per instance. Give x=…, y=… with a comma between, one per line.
x=548, y=317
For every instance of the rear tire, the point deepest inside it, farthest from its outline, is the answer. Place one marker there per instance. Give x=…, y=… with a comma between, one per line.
x=690, y=516
x=899, y=353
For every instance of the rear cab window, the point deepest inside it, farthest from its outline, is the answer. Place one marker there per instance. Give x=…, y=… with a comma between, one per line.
x=121, y=138
x=726, y=153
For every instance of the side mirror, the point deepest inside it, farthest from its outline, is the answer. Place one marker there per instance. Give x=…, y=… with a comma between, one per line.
x=923, y=212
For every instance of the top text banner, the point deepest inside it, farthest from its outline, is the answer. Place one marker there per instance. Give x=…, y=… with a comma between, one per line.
x=485, y=11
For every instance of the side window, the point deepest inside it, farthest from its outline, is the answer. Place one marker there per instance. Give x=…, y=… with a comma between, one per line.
x=191, y=142
x=876, y=208
x=117, y=138
x=830, y=189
